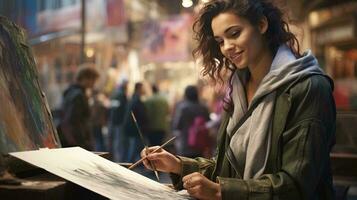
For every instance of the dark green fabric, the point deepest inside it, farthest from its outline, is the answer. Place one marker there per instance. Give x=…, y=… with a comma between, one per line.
x=298, y=163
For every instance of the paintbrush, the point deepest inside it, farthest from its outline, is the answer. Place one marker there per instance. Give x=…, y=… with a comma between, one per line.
x=146, y=146
x=143, y=158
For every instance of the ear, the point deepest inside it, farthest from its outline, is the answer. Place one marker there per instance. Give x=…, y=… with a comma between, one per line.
x=263, y=25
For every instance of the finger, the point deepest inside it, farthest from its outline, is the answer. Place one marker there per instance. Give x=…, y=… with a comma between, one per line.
x=188, y=185
x=153, y=148
x=156, y=163
x=185, y=185
x=157, y=156
x=189, y=182
x=146, y=164
x=186, y=178
x=193, y=191
x=196, y=192
x=143, y=153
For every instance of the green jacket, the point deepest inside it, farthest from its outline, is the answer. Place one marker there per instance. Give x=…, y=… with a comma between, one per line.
x=298, y=163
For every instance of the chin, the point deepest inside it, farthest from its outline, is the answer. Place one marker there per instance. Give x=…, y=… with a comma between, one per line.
x=241, y=64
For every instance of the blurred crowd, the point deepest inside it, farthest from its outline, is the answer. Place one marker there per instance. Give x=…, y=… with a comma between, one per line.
x=98, y=122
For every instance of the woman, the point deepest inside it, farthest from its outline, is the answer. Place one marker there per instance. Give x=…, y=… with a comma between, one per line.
x=279, y=122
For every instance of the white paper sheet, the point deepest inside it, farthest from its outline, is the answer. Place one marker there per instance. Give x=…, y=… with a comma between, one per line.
x=98, y=174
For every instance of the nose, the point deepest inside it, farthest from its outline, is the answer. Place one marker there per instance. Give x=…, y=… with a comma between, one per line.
x=227, y=46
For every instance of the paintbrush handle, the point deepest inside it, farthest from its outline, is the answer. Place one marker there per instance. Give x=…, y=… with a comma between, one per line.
x=152, y=165
x=143, y=158
x=144, y=143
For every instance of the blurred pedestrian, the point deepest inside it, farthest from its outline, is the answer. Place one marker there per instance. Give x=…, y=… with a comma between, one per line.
x=183, y=118
x=98, y=120
x=137, y=107
x=118, y=108
x=157, y=109
x=75, y=112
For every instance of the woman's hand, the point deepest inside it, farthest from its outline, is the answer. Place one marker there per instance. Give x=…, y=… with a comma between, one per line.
x=201, y=187
x=162, y=160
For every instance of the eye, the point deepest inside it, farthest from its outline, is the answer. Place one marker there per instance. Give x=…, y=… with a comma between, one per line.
x=235, y=33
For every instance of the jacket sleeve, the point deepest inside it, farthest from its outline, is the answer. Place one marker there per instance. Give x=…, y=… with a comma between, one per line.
x=305, y=154
x=189, y=165
x=302, y=162
x=305, y=145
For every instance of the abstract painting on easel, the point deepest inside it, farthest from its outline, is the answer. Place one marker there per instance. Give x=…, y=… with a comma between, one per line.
x=25, y=119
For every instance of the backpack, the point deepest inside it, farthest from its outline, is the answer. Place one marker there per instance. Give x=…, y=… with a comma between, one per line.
x=198, y=136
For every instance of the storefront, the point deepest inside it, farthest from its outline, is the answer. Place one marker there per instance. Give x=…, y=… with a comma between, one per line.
x=334, y=40
x=56, y=42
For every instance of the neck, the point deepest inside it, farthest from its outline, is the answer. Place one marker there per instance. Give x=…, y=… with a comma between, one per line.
x=260, y=68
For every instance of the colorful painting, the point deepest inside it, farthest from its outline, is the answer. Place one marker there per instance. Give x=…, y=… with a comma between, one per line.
x=25, y=119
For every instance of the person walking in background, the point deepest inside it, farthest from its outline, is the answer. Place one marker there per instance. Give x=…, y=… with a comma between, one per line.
x=215, y=118
x=98, y=120
x=183, y=118
x=137, y=107
x=74, y=128
x=157, y=109
x=278, y=125
x=118, y=108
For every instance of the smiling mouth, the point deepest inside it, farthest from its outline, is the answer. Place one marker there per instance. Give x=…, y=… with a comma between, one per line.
x=236, y=56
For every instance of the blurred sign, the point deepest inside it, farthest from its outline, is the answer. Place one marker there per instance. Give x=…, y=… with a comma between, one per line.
x=98, y=15
x=337, y=33
x=64, y=18
x=320, y=17
x=167, y=40
x=116, y=15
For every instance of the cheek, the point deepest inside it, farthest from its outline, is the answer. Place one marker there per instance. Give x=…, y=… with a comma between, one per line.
x=254, y=47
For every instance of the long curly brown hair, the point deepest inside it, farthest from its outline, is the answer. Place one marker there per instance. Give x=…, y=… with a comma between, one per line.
x=213, y=61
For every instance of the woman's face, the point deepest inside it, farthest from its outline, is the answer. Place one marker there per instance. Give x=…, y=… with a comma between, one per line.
x=238, y=39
